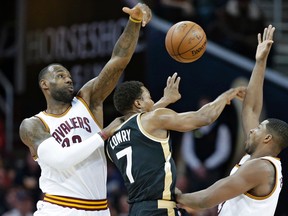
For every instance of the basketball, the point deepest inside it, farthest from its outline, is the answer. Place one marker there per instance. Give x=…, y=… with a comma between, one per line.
x=186, y=41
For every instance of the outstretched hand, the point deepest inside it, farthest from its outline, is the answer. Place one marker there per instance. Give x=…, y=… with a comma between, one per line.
x=265, y=42
x=238, y=92
x=140, y=12
x=171, y=91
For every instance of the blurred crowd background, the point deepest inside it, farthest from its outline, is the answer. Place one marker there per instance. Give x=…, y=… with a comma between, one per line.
x=81, y=35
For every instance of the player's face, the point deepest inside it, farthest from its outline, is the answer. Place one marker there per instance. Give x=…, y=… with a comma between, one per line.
x=61, y=84
x=256, y=137
x=147, y=103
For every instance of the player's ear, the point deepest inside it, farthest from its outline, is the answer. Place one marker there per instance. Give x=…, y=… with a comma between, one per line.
x=268, y=138
x=137, y=104
x=43, y=84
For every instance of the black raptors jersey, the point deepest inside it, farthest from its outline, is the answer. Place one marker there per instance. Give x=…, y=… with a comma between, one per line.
x=144, y=161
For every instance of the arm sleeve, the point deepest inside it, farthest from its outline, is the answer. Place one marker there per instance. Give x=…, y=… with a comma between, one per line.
x=51, y=153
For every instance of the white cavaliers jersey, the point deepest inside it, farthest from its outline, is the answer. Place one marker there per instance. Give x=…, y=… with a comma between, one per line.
x=87, y=179
x=247, y=204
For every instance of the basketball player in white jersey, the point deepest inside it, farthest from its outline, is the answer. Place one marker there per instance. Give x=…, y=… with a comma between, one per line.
x=64, y=138
x=254, y=184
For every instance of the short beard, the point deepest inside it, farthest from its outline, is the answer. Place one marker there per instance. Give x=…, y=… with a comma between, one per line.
x=249, y=149
x=63, y=96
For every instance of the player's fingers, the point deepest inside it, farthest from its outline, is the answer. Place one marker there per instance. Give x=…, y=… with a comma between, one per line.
x=233, y=93
x=177, y=82
x=259, y=38
x=242, y=88
x=271, y=32
x=240, y=96
x=264, y=34
x=139, y=12
x=268, y=32
x=127, y=10
x=168, y=81
x=174, y=77
x=144, y=20
x=135, y=12
x=241, y=93
x=171, y=80
x=147, y=15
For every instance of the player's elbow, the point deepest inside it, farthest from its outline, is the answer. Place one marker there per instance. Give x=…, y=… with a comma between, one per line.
x=120, y=61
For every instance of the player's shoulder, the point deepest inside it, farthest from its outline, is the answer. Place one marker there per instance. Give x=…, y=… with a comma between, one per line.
x=31, y=120
x=155, y=115
x=29, y=124
x=161, y=112
x=260, y=165
x=29, y=131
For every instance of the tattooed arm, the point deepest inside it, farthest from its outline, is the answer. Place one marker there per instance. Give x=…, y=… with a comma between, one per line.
x=96, y=90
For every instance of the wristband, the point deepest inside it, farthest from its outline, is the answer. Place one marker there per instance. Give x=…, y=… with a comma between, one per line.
x=103, y=135
x=134, y=20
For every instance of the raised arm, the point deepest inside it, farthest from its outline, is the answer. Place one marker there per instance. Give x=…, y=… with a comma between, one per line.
x=96, y=90
x=252, y=104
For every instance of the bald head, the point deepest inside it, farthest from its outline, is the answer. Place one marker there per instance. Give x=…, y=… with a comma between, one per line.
x=48, y=69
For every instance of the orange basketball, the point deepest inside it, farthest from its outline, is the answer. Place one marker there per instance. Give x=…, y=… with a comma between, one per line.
x=186, y=41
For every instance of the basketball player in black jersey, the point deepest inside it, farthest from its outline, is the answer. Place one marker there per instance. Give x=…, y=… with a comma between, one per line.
x=141, y=150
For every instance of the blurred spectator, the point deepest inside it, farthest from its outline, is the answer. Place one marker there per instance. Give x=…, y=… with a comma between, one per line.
x=236, y=25
x=206, y=152
x=19, y=201
x=205, y=11
x=175, y=10
x=27, y=175
x=115, y=183
x=3, y=186
x=115, y=188
x=5, y=183
x=2, y=135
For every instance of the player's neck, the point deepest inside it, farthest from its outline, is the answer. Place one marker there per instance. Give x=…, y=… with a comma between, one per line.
x=263, y=154
x=129, y=114
x=57, y=109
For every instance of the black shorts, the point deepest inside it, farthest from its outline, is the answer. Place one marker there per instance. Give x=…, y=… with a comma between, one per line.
x=155, y=208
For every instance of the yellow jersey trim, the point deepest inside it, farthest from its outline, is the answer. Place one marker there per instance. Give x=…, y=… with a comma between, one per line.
x=77, y=203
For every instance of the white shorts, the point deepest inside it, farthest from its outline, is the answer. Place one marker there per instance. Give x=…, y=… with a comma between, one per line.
x=48, y=209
